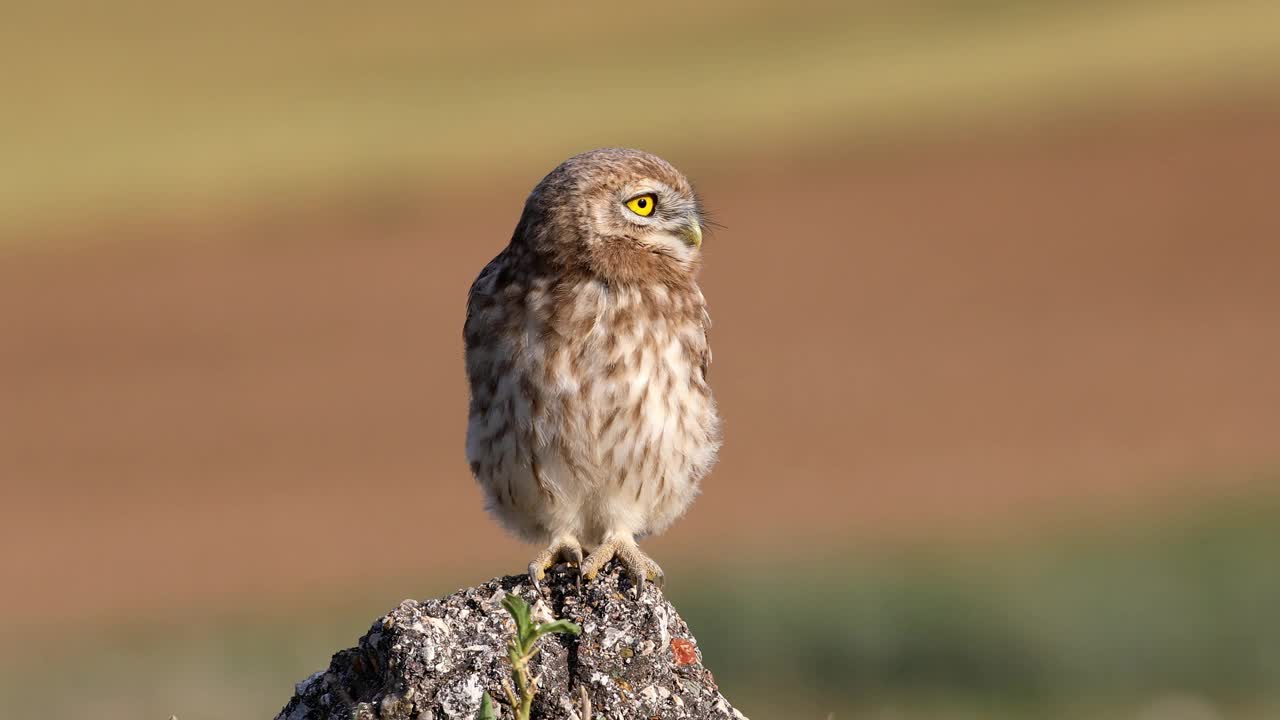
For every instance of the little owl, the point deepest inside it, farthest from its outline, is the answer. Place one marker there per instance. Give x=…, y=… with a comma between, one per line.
x=591, y=421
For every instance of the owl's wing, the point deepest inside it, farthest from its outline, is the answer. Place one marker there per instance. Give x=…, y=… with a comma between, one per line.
x=480, y=296
x=706, y=344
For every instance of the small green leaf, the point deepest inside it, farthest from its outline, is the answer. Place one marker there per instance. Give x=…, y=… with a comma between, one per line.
x=519, y=610
x=559, y=626
x=486, y=708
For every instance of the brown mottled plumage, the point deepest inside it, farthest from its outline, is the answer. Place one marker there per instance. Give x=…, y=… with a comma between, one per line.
x=591, y=420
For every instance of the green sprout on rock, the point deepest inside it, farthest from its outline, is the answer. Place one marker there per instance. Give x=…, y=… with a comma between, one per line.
x=521, y=651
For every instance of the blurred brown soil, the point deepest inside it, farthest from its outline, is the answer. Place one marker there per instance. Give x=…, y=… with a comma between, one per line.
x=923, y=341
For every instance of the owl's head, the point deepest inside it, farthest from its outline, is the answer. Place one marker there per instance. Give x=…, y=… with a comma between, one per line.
x=622, y=214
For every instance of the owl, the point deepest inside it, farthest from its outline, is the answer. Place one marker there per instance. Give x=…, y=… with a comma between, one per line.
x=591, y=422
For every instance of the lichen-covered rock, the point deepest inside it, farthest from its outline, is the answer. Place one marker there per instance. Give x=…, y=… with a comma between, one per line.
x=433, y=660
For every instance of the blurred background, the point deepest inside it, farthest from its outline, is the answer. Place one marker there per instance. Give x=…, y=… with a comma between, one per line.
x=997, y=335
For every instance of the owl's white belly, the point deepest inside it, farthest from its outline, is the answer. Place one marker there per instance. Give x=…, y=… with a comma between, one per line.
x=605, y=433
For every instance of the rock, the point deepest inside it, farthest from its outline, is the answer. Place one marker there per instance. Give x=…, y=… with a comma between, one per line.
x=433, y=660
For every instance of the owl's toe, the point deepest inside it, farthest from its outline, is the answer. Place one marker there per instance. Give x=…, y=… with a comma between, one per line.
x=573, y=554
x=560, y=549
x=637, y=566
x=658, y=577
x=536, y=573
x=598, y=558
x=641, y=568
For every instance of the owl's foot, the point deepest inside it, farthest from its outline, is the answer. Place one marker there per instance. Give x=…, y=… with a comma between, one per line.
x=561, y=549
x=638, y=566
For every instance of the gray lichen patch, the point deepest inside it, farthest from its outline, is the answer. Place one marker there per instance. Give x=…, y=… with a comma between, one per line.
x=433, y=660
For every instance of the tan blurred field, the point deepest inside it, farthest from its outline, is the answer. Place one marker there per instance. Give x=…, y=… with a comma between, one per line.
x=124, y=107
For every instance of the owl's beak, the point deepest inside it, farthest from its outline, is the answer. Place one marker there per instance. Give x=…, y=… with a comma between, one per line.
x=692, y=233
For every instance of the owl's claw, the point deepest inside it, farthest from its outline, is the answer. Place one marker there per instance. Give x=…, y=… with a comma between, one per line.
x=560, y=549
x=535, y=577
x=574, y=556
x=637, y=566
x=652, y=573
x=637, y=584
x=659, y=578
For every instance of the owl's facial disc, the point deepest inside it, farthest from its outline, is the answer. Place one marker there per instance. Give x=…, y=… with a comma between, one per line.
x=659, y=217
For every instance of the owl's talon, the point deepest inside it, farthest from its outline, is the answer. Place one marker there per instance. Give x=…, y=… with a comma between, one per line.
x=637, y=583
x=658, y=577
x=637, y=566
x=561, y=548
x=536, y=574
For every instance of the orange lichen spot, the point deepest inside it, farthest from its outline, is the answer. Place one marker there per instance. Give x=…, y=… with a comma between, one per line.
x=684, y=652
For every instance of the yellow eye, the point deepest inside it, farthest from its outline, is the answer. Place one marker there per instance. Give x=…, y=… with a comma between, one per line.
x=642, y=205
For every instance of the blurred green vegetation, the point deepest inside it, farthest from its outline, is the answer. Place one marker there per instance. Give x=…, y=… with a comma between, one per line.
x=1089, y=623
x=135, y=105
x=1106, y=617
